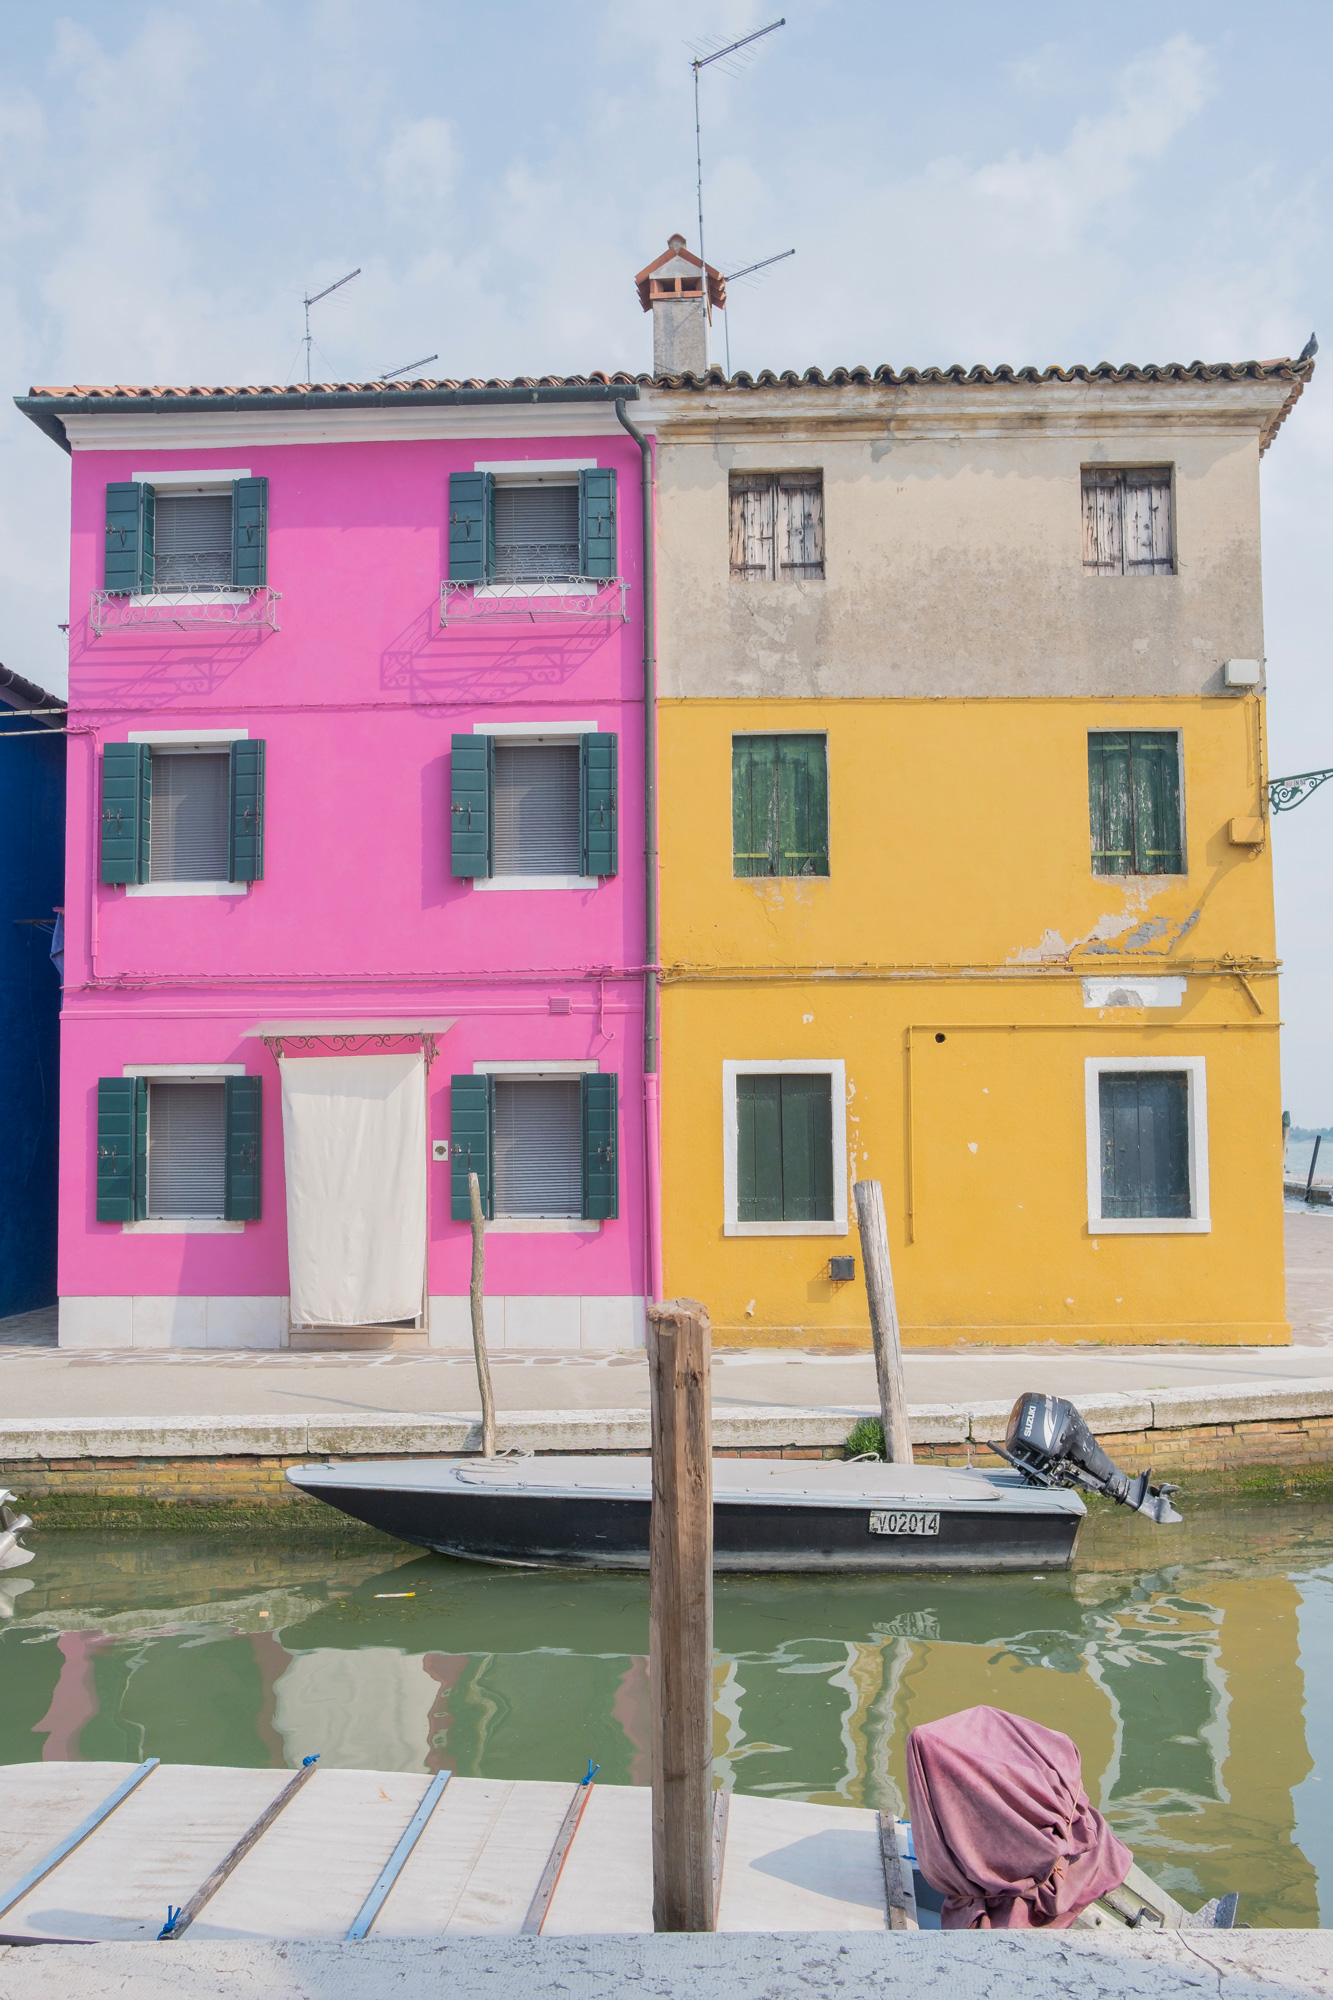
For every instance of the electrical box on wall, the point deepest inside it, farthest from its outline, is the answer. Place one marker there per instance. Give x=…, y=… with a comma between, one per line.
x=1242, y=673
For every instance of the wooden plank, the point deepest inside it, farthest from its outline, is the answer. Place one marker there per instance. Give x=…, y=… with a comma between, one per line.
x=53, y=1859
x=411, y=1834
x=177, y=1926
x=555, y=1861
x=721, y=1814
x=680, y=1615
x=883, y=1321
x=898, y=1893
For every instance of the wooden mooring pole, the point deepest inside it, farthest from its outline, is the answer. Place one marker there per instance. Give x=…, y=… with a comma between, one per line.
x=477, y=1301
x=883, y=1321
x=680, y=1644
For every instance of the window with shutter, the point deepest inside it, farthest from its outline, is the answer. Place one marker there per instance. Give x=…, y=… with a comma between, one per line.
x=537, y=809
x=779, y=805
x=244, y=1148
x=538, y=1147
x=249, y=533
x=1145, y=1143
x=597, y=521
x=1134, y=804
x=471, y=1107
x=190, y=826
x=1127, y=529
x=125, y=812
x=246, y=853
x=599, y=803
x=187, y=1154
x=193, y=541
x=121, y=1143
x=124, y=522
x=777, y=525
x=536, y=533
x=471, y=765
x=784, y=1168
x=601, y=1147
x=471, y=527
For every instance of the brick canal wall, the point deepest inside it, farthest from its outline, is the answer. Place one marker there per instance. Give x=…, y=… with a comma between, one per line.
x=1232, y=1434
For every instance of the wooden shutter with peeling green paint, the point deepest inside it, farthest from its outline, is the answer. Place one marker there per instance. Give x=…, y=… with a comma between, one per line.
x=779, y=805
x=471, y=1101
x=244, y=1144
x=784, y=1148
x=1134, y=802
x=472, y=768
x=245, y=860
x=122, y=1148
x=249, y=533
x=599, y=804
x=126, y=790
x=597, y=522
x=601, y=1148
x=471, y=527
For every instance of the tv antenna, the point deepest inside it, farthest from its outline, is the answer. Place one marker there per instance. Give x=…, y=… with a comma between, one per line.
x=407, y=367
x=727, y=54
x=313, y=299
x=746, y=271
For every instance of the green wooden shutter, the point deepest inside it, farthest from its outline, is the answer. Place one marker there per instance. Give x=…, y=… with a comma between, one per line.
x=471, y=1119
x=245, y=861
x=597, y=522
x=754, y=783
x=472, y=785
x=802, y=805
x=1156, y=798
x=124, y=540
x=599, y=836
x=126, y=782
x=759, y=1149
x=1145, y=1143
x=249, y=533
x=807, y=1149
x=471, y=527
x=601, y=1148
x=1110, y=807
x=245, y=1133
x=122, y=1148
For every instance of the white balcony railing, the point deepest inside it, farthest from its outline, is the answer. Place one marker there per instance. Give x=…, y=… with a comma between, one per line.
x=183, y=610
x=534, y=597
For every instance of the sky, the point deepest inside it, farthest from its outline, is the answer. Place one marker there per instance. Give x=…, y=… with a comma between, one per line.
x=1025, y=183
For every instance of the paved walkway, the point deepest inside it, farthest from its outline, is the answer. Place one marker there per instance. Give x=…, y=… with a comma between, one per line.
x=37, y=1380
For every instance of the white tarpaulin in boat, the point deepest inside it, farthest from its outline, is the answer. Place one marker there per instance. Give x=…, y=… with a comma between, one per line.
x=354, y=1147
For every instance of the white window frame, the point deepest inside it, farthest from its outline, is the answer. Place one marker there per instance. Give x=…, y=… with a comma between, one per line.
x=536, y=732
x=188, y=739
x=1199, y=1221
x=832, y=1067
x=541, y=1225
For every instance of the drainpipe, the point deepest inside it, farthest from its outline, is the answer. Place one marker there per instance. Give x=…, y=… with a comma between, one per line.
x=652, y=1100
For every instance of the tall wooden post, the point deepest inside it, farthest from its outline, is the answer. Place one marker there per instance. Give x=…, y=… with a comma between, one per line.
x=680, y=1645
x=883, y=1321
x=479, y=1319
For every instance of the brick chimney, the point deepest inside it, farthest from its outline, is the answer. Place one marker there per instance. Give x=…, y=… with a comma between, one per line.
x=671, y=289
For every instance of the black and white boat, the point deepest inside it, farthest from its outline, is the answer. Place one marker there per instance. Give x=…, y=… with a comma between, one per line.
x=592, y=1513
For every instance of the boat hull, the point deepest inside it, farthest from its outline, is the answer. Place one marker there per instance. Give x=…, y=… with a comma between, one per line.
x=749, y=1536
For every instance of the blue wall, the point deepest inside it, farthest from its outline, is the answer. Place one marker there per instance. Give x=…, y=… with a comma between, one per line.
x=32, y=884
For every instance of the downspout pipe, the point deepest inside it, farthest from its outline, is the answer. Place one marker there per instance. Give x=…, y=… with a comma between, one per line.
x=652, y=1101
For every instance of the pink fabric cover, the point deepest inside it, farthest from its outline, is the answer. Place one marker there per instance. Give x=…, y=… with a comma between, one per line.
x=1002, y=1826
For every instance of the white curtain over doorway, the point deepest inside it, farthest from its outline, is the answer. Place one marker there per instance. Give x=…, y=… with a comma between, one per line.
x=354, y=1146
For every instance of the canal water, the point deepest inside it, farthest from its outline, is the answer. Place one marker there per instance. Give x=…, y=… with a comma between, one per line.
x=1191, y=1666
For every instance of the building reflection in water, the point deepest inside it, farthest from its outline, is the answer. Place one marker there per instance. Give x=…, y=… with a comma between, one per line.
x=1184, y=1685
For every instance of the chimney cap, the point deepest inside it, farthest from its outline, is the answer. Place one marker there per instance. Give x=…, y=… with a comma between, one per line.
x=655, y=281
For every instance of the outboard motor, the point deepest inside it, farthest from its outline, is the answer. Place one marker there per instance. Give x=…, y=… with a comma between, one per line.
x=12, y=1552
x=1049, y=1443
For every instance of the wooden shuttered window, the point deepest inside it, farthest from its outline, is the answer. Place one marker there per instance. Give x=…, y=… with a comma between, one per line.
x=597, y=522
x=539, y=809
x=471, y=1105
x=601, y=1147
x=471, y=527
x=208, y=821
x=779, y=805
x=784, y=1132
x=599, y=804
x=179, y=1149
x=185, y=541
x=1134, y=805
x=245, y=855
x=1145, y=1143
x=122, y=1141
x=1127, y=527
x=249, y=534
x=471, y=764
x=777, y=525
x=129, y=537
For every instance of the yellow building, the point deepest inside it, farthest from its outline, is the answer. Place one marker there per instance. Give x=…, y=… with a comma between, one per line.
x=965, y=874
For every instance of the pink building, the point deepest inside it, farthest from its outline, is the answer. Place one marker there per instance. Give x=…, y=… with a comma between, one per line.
x=356, y=890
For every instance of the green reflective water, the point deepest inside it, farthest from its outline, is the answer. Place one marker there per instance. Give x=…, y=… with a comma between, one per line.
x=1190, y=1665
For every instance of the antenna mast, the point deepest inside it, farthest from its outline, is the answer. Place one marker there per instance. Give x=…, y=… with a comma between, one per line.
x=390, y=373
x=313, y=299
x=702, y=62
x=746, y=271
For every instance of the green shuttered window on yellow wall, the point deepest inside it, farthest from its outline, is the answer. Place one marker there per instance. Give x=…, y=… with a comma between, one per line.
x=1145, y=1143
x=1134, y=802
x=779, y=805
x=784, y=1136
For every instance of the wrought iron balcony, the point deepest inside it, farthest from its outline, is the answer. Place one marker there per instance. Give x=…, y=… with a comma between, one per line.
x=534, y=597
x=183, y=610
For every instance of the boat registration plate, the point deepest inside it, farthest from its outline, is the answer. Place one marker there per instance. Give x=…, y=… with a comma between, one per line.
x=904, y=1521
